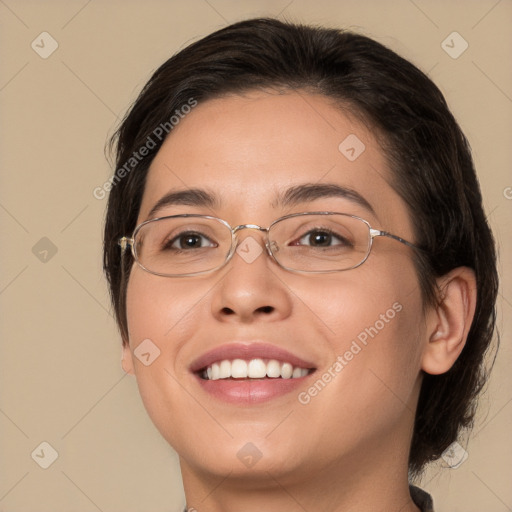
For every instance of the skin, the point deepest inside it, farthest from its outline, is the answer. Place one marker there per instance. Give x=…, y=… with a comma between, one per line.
x=347, y=449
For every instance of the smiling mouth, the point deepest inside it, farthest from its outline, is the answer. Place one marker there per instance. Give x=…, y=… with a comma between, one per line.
x=253, y=369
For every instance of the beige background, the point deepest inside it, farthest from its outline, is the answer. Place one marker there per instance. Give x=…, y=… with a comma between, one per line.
x=61, y=380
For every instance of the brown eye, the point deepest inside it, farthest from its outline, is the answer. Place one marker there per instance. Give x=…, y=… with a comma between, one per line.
x=188, y=240
x=322, y=238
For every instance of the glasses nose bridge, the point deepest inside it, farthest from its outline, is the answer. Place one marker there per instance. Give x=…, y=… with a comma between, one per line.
x=238, y=228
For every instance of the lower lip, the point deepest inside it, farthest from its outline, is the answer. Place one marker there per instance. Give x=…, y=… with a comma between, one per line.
x=248, y=392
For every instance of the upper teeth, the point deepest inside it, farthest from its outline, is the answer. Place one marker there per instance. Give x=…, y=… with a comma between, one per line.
x=253, y=369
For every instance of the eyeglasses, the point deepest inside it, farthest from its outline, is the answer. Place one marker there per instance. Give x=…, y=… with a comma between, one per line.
x=311, y=242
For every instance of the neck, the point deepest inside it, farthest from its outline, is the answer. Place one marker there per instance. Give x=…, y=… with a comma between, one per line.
x=357, y=483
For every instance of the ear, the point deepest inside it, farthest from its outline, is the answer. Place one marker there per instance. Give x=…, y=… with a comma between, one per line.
x=127, y=358
x=449, y=321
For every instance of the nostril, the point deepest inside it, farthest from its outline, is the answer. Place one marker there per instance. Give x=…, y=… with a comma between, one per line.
x=266, y=309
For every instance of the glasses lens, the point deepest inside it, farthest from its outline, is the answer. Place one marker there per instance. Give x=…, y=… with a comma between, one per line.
x=320, y=243
x=182, y=245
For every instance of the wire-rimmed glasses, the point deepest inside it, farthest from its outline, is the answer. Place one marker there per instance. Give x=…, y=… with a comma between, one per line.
x=310, y=242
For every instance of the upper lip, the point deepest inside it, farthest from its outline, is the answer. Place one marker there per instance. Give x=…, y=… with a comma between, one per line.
x=247, y=351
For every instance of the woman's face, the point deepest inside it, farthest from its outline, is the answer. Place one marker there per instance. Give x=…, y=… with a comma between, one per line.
x=358, y=332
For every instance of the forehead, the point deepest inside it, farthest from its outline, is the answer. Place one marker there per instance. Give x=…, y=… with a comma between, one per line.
x=248, y=150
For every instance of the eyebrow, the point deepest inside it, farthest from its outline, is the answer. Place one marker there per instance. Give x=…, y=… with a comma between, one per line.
x=311, y=191
x=292, y=196
x=188, y=197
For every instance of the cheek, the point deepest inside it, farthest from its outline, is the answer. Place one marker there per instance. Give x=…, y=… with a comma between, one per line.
x=159, y=308
x=371, y=323
x=363, y=303
x=161, y=316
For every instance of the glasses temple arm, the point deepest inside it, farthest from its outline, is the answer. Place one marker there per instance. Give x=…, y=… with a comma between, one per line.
x=377, y=232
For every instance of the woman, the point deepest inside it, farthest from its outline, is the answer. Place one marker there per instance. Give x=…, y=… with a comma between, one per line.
x=301, y=269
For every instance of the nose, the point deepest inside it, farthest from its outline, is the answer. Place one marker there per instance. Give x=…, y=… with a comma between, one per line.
x=251, y=287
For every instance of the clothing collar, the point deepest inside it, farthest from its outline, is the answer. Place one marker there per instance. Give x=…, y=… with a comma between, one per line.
x=421, y=499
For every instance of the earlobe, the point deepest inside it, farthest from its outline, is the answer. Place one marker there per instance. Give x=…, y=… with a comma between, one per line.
x=127, y=358
x=450, y=320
